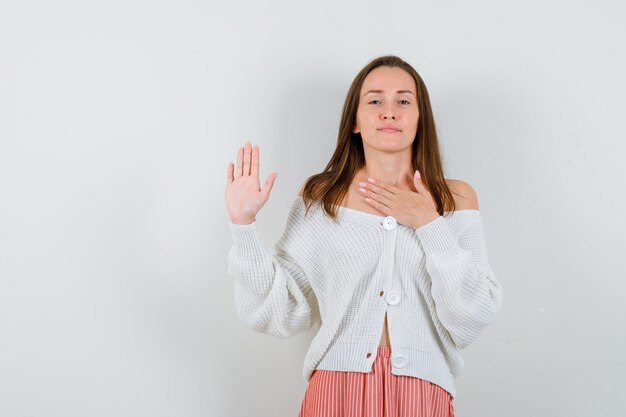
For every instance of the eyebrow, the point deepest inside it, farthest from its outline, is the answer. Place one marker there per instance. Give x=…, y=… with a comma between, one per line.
x=380, y=91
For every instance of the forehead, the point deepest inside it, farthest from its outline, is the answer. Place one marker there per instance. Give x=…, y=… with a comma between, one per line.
x=389, y=80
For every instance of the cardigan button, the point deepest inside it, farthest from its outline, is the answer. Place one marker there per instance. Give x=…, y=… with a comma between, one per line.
x=393, y=298
x=389, y=223
x=399, y=361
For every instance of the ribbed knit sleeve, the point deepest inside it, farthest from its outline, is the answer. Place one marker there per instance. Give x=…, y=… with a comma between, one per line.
x=465, y=290
x=272, y=292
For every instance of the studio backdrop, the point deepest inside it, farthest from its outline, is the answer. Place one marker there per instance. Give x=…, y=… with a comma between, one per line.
x=117, y=123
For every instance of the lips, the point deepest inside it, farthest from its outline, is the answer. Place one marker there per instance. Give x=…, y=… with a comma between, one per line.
x=389, y=129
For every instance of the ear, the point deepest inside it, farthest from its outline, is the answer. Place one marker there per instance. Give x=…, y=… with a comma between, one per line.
x=356, y=129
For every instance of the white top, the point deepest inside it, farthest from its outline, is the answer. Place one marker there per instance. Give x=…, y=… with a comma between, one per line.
x=434, y=283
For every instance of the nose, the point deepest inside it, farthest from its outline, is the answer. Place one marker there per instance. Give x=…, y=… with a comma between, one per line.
x=388, y=113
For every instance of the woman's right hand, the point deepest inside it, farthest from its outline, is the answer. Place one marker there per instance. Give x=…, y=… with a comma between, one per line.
x=244, y=198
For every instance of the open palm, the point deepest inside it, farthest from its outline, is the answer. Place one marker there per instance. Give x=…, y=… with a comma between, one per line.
x=244, y=197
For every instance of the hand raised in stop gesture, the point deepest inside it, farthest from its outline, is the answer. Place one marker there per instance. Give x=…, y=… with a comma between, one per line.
x=244, y=197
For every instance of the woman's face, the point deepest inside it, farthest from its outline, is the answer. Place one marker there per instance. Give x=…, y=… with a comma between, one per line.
x=388, y=97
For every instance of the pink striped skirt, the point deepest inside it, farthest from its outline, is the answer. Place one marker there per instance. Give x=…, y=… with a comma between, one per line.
x=378, y=393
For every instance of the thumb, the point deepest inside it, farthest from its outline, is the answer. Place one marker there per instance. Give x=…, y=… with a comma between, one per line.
x=417, y=181
x=269, y=184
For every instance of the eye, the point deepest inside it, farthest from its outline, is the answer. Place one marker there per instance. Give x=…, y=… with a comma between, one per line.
x=372, y=101
x=407, y=102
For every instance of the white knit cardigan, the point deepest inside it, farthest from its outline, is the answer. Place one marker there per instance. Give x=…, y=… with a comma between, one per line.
x=434, y=283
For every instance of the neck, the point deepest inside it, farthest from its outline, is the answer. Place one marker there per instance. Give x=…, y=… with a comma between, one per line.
x=389, y=170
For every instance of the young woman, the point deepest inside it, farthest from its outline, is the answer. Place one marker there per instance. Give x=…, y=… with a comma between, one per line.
x=380, y=251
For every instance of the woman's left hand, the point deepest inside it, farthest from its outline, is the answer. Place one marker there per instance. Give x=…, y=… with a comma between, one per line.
x=413, y=209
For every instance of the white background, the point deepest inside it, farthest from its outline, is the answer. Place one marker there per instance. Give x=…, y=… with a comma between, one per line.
x=118, y=120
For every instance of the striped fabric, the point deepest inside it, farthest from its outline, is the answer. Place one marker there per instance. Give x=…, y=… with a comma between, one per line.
x=378, y=393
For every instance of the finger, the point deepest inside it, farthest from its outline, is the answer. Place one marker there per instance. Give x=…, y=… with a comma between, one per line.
x=419, y=186
x=382, y=198
x=389, y=187
x=378, y=205
x=269, y=184
x=246, y=159
x=379, y=187
x=239, y=167
x=254, y=169
x=229, y=173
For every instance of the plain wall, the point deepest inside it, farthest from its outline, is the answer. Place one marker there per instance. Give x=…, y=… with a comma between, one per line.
x=118, y=120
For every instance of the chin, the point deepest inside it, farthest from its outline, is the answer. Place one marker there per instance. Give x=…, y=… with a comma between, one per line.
x=389, y=145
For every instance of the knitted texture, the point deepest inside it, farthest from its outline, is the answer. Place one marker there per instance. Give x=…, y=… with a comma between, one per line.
x=434, y=283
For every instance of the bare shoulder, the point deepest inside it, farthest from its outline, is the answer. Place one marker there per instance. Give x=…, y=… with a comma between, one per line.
x=464, y=194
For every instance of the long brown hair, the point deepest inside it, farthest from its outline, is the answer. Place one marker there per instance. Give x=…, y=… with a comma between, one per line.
x=330, y=186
